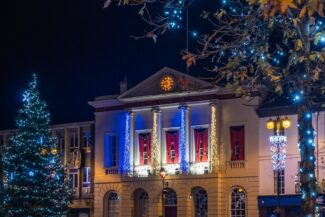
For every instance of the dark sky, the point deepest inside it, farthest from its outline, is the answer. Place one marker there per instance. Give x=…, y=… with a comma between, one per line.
x=79, y=51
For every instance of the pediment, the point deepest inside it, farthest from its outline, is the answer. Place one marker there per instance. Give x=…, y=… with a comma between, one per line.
x=153, y=85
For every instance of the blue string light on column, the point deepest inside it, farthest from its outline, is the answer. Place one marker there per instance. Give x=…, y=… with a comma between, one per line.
x=126, y=164
x=184, y=164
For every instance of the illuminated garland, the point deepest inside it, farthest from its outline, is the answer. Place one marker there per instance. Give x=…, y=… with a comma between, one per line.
x=182, y=143
x=278, y=151
x=126, y=165
x=154, y=147
x=213, y=137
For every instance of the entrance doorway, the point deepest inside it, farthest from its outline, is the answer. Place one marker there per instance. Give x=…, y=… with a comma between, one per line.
x=169, y=202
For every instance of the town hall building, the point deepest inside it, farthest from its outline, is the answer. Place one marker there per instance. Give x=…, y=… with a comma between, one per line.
x=175, y=145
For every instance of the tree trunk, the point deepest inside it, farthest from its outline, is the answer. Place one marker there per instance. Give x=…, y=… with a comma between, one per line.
x=307, y=165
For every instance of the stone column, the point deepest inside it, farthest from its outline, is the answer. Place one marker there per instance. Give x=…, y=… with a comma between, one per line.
x=132, y=144
x=213, y=137
x=126, y=167
x=156, y=116
x=184, y=139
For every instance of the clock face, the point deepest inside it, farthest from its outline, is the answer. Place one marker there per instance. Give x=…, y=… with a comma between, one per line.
x=167, y=83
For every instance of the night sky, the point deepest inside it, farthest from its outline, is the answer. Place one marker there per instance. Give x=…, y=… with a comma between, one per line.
x=79, y=51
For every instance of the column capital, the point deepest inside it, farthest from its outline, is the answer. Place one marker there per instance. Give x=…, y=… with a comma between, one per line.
x=184, y=106
x=155, y=110
x=214, y=103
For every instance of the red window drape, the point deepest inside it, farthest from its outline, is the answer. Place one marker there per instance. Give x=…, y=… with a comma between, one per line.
x=201, y=145
x=237, y=137
x=172, y=137
x=144, y=140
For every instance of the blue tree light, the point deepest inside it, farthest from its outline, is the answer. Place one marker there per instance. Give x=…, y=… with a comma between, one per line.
x=307, y=115
x=194, y=34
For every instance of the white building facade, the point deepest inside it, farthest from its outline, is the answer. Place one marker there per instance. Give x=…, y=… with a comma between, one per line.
x=172, y=123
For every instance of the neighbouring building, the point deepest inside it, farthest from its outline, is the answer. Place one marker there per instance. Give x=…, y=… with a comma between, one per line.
x=75, y=143
x=287, y=184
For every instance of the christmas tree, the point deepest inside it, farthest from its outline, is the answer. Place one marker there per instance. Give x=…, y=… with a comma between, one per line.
x=36, y=184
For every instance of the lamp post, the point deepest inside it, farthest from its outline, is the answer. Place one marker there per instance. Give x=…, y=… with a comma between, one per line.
x=162, y=174
x=278, y=140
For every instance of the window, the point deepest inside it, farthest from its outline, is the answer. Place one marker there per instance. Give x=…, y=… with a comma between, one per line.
x=238, y=202
x=73, y=138
x=61, y=143
x=73, y=176
x=145, y=148
x=76, y=158
x=201, y=144
x=172, y=146
x=141, y=203
x=85, y=140
x=111, y=205
x=111, y=150
x=200, y=200
x=237, y=140
x=280, y=174
x=297, y=180
x=169, y=202
x=86, y=175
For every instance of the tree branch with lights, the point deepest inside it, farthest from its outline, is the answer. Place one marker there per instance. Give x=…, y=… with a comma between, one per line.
x=260, y=45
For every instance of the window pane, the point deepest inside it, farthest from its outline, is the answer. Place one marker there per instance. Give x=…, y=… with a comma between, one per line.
x=238, y=202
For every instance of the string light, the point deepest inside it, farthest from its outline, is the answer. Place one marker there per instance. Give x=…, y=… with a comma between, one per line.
x=182, y=143
x=127, y=165
x=37, y=185
x=154, y=151
x=213, y=136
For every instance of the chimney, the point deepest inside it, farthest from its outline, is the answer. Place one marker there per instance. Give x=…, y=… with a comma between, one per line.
x=123, y=85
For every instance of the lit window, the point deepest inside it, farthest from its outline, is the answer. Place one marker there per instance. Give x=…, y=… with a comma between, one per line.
x=144, y=148
x=73, y=176
x=86, y=175
x=172, y=146
x=238, y=202
x=200, y=202
x=237, y=139
x=201, y=144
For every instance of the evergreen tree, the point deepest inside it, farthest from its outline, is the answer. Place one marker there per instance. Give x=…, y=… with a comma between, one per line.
x=35, y=184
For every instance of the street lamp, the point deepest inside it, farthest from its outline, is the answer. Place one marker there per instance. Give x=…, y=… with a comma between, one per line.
x=278, y=140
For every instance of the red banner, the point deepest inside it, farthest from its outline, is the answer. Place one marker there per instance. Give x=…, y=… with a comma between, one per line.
x=237, y=137
x=201, y=145
x=172, y=146
x=145, y=148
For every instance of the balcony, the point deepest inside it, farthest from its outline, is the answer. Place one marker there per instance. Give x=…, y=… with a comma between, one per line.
x=236, y=164
x=198, y=168
x=112, y=171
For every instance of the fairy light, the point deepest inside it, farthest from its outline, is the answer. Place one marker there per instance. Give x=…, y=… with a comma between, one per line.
x=213, y=137
x=126, y=165
x=182, y=143
x=154, y=147
x=278, y=151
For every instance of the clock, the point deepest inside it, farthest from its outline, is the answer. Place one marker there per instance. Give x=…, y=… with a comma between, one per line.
x=167, y=83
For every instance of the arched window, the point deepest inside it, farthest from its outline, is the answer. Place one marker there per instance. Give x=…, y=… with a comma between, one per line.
x=141, y=203
x=238, y=202
x=169, y=202
x=111, y=205
x=200, y=202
